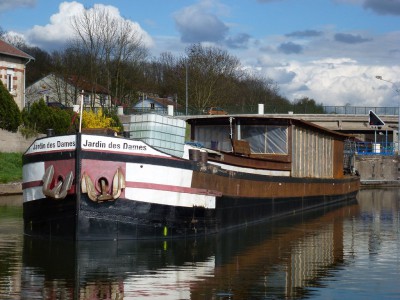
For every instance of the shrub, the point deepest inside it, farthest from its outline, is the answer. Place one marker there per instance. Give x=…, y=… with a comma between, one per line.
x=40, y=117
x=10, y=115
x=116, y=124
x=101, y=119
x=92, y=119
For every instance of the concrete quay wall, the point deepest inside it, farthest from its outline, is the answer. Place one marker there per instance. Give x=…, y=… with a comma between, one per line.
x=14, y=142
x=13, y=188
x=378, y=170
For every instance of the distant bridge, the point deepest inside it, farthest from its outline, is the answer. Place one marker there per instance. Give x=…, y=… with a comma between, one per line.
x=346, y=119
x=344, y=123
x=349, y=123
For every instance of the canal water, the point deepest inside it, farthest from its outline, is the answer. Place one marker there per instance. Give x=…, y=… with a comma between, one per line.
x=351, y=251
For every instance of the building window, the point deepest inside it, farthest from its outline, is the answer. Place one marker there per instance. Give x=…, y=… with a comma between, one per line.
x=102, y=100
x=86, y=99
x=152, y=106
x=9, y=83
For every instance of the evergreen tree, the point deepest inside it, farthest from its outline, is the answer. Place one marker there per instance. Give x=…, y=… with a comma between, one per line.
x=40, y=117
x=10, y=116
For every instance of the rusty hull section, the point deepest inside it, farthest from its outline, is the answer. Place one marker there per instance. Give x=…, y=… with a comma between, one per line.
x=229, y=184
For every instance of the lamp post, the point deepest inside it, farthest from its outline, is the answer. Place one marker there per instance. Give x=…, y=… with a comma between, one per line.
x=398, y=122
x=186, y=88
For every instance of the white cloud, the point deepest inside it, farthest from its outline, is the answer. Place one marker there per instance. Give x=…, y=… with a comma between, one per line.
x=199, y=23
x=59, y=30
x=335, y=81
x=331, y=72
x=282, y=74
x=338, y=82
x=381, y=7
x=13, y=4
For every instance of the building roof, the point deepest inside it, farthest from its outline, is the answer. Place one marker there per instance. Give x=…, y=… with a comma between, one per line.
x=10, y=50
x=164, y=102
x=85, y=85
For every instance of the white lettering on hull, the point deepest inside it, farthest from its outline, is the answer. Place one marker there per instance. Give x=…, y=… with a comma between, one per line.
x=104, y=143
x=60, y=143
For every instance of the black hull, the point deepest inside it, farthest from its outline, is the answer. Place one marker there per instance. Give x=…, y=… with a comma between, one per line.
x=128, y=220
x=50, y=218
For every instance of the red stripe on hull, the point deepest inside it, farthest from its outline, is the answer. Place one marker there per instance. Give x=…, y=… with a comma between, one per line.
x=61, y=170
x=171, y=188
x=31, y=184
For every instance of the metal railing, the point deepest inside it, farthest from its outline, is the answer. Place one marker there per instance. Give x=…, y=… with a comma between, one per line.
x=361, y=110
x=371, y=148
x=272, y=109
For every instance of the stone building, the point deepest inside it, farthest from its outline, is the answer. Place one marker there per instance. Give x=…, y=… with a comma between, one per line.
x=66, y=91
x=12, y=71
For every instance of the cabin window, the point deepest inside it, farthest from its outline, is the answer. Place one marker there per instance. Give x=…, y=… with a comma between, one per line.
x=266, y=139
x=214, y=137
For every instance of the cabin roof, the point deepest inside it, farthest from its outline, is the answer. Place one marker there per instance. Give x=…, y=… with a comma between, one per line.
x=263, y=119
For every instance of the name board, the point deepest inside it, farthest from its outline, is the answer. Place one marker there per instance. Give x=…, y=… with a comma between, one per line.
x=92, y=142
x=61, y=143
x=104, y=143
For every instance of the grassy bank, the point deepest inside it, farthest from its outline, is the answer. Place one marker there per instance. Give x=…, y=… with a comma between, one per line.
x=10, y=167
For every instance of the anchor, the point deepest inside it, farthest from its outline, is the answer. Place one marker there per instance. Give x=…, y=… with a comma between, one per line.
x=117, y=185
x=62, y=187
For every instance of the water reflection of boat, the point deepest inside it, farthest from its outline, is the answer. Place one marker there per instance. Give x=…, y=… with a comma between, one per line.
x=267, y=259
x=242, y=169
x=104, y=269
x=297, y=258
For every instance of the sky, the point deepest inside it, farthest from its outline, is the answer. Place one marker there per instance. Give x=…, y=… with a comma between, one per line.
x=327, y=50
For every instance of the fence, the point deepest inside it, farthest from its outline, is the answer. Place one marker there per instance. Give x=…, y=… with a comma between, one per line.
x=371, y=148
x=361, y=110
x=273, y=109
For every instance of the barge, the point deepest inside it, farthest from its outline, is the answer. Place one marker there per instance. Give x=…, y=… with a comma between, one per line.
x=151, y=184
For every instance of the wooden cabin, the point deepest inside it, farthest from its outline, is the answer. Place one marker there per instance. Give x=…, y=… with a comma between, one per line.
x=281, y=144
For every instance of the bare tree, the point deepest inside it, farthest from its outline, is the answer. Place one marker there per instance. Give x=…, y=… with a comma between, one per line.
x=113, y=47
x=2, y=33
x=88, y=27
x=211, y=73
x=107, y=34
x=15, y=40
x=67, y=64
x=252, y=90
x=127, y=53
